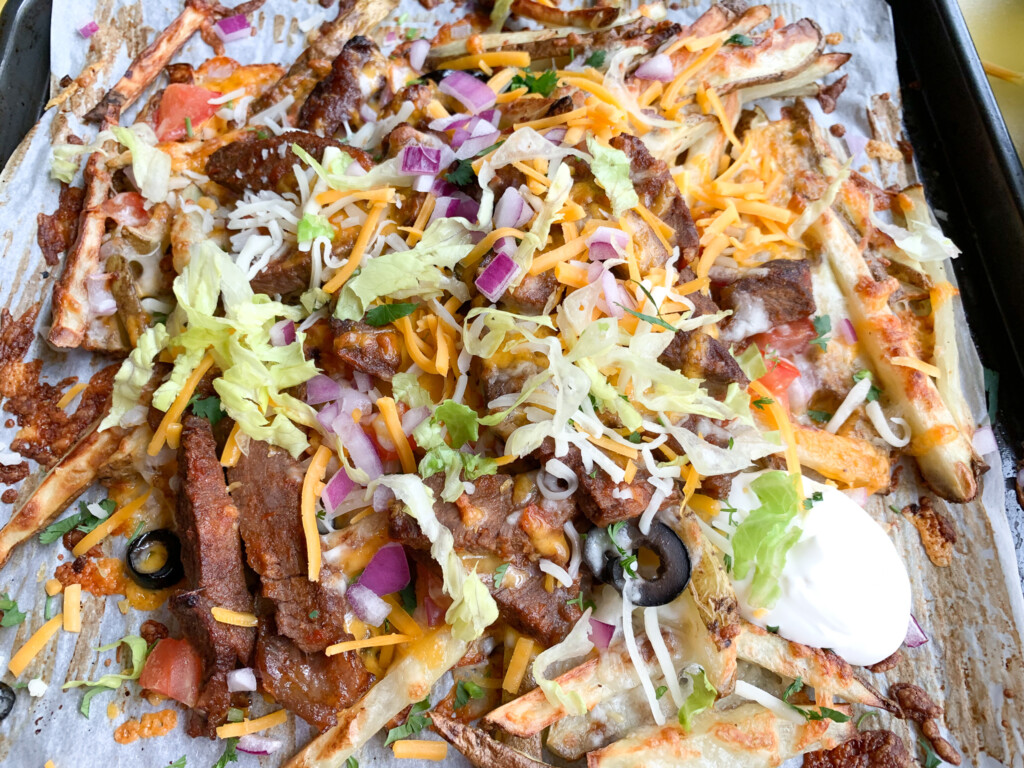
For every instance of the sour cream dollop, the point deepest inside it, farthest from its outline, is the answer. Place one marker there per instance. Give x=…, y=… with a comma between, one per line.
x=844, y=585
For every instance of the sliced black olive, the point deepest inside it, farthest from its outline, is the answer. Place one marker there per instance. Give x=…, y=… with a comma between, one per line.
x=437, y=75
x=154, y=559
x=605, y=561
x=6, y=700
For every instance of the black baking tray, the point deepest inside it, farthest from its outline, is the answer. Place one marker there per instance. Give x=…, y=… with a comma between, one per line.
x=971, y=171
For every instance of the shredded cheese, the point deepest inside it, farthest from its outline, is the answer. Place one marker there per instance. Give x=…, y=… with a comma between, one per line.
x=418, y=749
x=630, y=472
x=716, y=106
x=572, y=274
x=235, y=730
x=369, y=642
x=73, y=608
x=785, y=426
x=34, y=645
x=519, y=59
x=500, y=80
x=356, y=257
x=389, y=411
x=517, y=665
x=380, y=195
x=177, y=408
x=555, y=256
x=711, y=252
x=401, y=620
x=232, y=452
x=918, y=365
x=312, y=485
x=174, y=435
x=71, y=394
x=550, y=122
x=692, y=484
x=53, y=587
x=234, y=618
x=108, y=526
x=485, y=245
x=509, y=96
x=705, y=506
x=416, y=231
x=610, y=445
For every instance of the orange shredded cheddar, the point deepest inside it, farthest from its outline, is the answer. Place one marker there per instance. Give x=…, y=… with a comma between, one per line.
x=71, y=394
x=369, y=642
x=108, y=526
x=388, y=409
x=354, y=259
x=73, y=608
x=234, y=618
x=234, y=730
x=232, y=452
x=34, y=645
x=519, y=59
x=420, y=749
x=177, y=408
x=312, y=485
x=517, y=665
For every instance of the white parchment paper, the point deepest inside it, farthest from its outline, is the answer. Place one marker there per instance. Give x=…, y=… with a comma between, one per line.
x=51, y=728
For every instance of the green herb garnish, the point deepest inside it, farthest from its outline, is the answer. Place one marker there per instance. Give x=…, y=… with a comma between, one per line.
x=388, y=313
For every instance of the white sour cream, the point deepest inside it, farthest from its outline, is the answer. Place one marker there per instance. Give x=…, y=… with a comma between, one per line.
x=844, y=586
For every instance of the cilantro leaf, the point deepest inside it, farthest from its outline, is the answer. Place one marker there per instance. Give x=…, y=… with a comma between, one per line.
x=628, y=564
x=229, y=755
x=727, y=559
x=415, y=723
x=466, y=690
x=931, y=760
x=543, y=83
x=462, y=175
x=408, y=595
x=822, y=326
x=795, y=687
x=208, y=408
x=874, y=392
x=82, y=518
x=12, y=616
x=499, y=574
x=774, y=630
x=351, y=763
x=635, y=437
x=660, y=691
x=596, y=59
x=761, y=402
x=580, y=603
x=742, y=40
x=648, y=318
x=179, y=763
x=821, y=713
x=822, y=417
x=388, y=313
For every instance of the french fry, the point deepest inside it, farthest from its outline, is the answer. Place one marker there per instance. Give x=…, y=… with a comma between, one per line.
x=584, y=18
x=854, y=462
x=748, y=736
x=781, y=55
x=479, y=748
x=407, y=681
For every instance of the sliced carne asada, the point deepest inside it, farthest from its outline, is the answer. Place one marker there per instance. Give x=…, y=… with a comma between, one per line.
x=56, y=231
x=777, y=292
x=698, y=355
x=211, y=553
x=371, y=350
x=356, y=74
x=268, y=164
x=268, y=487
x=659, y=193
x=314, y=686
x=529, y=608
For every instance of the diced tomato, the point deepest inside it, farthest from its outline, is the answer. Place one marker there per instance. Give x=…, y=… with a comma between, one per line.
x=127, y=208
x=174, y=669
x=182, y=101
x=781, y=373
x=788, y=339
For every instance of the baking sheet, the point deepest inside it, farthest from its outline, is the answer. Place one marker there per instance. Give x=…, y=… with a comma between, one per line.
x=972, y=611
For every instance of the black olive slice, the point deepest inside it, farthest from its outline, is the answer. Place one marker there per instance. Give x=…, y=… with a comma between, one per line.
x=154, y=559
x=605, y=562
x=6, y=700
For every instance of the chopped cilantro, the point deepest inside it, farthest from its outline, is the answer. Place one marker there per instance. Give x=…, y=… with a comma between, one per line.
x=262, y=135
x=543, y=83
x=628, y=564
x=816, y=496
x=822, y=326
x=83, y=520
x=188, y=127
x=613, y=534
x=728, y=562
x=795, y=687
x=774, y=630
x=821, y=713
x=761, y=402
x=822, y=417
x=593, y=473
x=388, y=313
x=50, y=606
x=208, y=408
x=12, y=616
x=581, y=603
x=744, y=41
x=931, y=760
x=411, y=34
x=415, y=723
x=159, y=317
x=462, y=175
x=314, y=614
x=351, y=763
x=732, y=442
x=499, y=574
x=408, y=596
x=466, y=690
x=874, y=392
x=660, y=691
x=635, y=437
x=596, y=59
x=229, y=755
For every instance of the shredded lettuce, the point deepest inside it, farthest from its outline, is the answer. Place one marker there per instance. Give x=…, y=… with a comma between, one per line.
x=751, y=362
x=557, y=194
x=312, y=226
x=336, y=163
x=254, y=372
x=921, y=240
x=500, y=12
x=497, y=323
x=139, y=650
x=763, y=539
x=462, y=426
x=701, y=698
x=611, y=169
x=577, y=643
x=406, y=388
x=473, y=609
x=401, y=274
x=747, y=445
x=134, y=374
x=151, y=167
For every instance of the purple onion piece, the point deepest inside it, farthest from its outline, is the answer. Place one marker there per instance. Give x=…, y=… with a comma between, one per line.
x=367, y=605
x=387, y=571
x=497, y=277
x=915, y=635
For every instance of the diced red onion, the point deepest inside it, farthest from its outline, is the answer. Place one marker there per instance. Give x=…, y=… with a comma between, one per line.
x=455, y=121
x=254, y=744
x=367, y=605
x=469, y=91
x=443, y=208
x=283, y=333
x=473, y=146
x=336, y=490
x=556, y=134
x=915, y=635
x=657, y=68
x=327, y=415
x=497, y=277
x=367, y=113
x=241, y=680
x=847, y=331
x=382, y=498
x=413, y=417
x=387, y=571
x=856, y=143
x=607, y=243
x=89, y=29
x=363, y=381
x=360, y=448
x=418, y=159
x=418, y=53
x=984, y=441
x=468, y=208
x=511, y=210
x=232, y=28
x=443, y=188
x=322, y=389
x=601, y=633
x=610, y=288
x=423, y=183
x=355, y=169
x=101, y=300
x=390, y=37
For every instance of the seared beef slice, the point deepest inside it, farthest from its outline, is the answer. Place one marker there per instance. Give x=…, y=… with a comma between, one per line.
x=775, y=293
x=211, y=553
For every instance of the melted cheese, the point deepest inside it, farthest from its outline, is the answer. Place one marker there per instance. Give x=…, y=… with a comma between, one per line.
x=369, y=642
x=234, y=730
x=517, y=665
x=34, y=645
x=73, y=608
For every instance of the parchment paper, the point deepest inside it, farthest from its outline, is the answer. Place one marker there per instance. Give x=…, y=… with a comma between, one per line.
x=972, y=611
